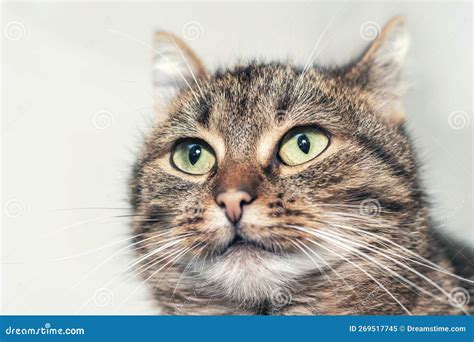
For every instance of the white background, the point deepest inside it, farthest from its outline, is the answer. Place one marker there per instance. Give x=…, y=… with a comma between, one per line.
x=76, y=94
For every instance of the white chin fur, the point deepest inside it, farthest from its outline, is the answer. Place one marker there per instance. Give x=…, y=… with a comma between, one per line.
x=247, y=275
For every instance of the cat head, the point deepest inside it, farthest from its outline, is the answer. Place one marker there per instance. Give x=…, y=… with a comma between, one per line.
x=255, y=176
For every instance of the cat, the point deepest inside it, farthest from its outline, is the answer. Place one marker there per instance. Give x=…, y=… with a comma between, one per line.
x=270, y=189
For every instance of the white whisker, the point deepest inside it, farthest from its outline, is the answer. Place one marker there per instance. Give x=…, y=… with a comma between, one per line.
x=184, y=251
x=381, y=265
x=358, y=267
x=427, y=263
x=186, y=62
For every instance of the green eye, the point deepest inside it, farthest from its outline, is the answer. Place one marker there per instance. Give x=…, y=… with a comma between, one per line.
x=302, y=144
x=194, y=156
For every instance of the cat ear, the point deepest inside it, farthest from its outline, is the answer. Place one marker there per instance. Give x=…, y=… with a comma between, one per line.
x=175, y=67
x=378, y=70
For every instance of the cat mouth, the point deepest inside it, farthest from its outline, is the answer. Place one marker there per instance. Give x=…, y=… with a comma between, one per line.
x=241, y=243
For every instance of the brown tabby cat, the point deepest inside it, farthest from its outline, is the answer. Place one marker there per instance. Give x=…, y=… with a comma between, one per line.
x=271, y=189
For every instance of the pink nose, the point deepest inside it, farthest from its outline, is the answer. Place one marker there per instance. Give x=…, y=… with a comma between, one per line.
x=233, y=202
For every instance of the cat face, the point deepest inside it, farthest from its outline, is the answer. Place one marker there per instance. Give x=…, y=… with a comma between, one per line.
x=255, y=176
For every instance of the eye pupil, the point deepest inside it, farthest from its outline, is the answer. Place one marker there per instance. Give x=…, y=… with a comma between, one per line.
x=194, y=153
x=303, y=143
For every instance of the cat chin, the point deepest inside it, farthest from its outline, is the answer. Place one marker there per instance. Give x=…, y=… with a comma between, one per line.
x=250, y=276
